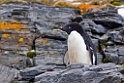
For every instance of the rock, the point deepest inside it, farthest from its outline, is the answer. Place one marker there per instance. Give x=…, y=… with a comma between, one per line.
x=104, y=39
x=99, y=29
x=47, y=18
x=100, y=21
x=121, y=51
x=20, y=82
x=99, y=58
x=21, y=24
x=121, y=55
x=95, y=74
x=7, y=75
x=112, y=54
x=50, y=52
x=53, y=50
x=117, y=37
x=48, y=77
x=91, y=26
x=13, y=60
x=96, y=43
x=30, y=73
x=54, y=34
x=112, y=21
x=121, y=60
x=112, y=57
x=16, y=35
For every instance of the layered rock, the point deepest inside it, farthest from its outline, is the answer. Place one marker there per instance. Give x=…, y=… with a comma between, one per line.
x=77, y=73
x=7, y=74
x=25, y=27
x=107, y=27
x=22, y=24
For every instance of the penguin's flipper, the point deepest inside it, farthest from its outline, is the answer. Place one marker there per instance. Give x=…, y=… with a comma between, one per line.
x=66, y=59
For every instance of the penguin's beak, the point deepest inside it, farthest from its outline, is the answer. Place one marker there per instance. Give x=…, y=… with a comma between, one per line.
x=60, y=27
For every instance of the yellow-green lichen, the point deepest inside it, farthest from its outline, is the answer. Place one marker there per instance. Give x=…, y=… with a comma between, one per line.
x=116, y=3
x=105, y=60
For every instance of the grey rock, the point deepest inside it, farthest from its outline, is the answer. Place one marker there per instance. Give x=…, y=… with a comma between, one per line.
x=97, y=28
x=56, y=34
x=104, y=39
x=19, y=41
x=99, y=58
x=96, y=43
x=121, y=51
x=47, y=17
x=48, y=77
x=30, y=73
x=112, y=54
x=95, y=74
x=91, y=26
x=113, y=20
x=20, y=82
x=116, y=36
x=121, y=60
x=50, y=52
x=7, y=74
x=38, y=20
x=13, y=60
x=112, y=57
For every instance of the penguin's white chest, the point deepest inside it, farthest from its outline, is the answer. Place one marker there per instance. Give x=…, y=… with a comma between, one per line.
x=121, y=12
x=77, y=49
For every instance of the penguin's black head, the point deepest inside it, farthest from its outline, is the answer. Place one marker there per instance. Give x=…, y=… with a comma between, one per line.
x=72, y=27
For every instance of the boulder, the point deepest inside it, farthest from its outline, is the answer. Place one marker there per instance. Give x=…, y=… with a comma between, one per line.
x=51, y=47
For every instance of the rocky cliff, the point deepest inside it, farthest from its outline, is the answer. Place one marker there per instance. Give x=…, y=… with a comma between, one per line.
x=24, y=27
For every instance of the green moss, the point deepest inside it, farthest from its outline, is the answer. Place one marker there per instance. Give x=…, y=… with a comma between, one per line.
x=105, y=60
x=31, y=54
x=52, y=28
x=116, y=3
x=120, y=64
x=104, y=42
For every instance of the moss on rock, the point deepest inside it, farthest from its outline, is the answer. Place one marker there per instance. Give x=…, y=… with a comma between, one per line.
x=105, y=60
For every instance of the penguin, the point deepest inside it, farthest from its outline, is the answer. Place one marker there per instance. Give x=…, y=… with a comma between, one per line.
x=80, y=47
x=120, y=11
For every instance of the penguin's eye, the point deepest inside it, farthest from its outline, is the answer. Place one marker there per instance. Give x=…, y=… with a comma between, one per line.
x=69, y=27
